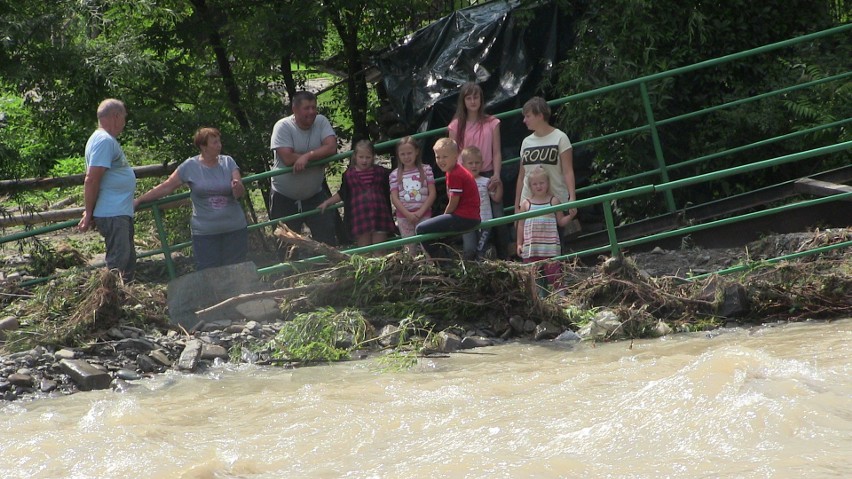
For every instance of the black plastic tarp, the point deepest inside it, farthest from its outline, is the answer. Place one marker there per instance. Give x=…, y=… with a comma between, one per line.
x=505, y=47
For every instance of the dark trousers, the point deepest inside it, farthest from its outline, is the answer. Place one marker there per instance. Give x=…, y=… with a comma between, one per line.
x=322, y=225
x=220, y=249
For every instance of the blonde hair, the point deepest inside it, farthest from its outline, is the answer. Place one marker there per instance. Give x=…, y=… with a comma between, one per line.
x=418, y=162
x=446, y=143
x=537, y=171
x=365, y=145
x=470, y=152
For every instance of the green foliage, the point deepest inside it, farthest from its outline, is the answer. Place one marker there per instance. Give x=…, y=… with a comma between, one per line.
x=396, y=361
x=627, y=39
x=315, y=336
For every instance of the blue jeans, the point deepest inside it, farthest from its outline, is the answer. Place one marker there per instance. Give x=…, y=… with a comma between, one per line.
x=476, y=243
x=443, y=223
x=220, y=249
x=118, y=235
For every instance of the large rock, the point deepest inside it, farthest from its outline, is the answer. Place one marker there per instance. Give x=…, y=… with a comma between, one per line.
x=448, y=342
x=9, y=323
x=546, y=330
x=202, y=289
x=86, y=376
x=190, y=355
x=605, y=325
x=729, y=298
x=470, y=342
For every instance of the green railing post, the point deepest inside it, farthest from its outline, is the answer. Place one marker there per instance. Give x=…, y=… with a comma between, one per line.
x=658, y=147
x=610, y=228
x=164, y=241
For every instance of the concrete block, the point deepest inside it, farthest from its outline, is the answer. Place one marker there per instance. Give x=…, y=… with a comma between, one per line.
x=86, y=376
x=202, y=289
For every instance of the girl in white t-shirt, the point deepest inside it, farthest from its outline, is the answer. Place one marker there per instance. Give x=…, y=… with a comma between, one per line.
x=412, y=189
x=549, y=148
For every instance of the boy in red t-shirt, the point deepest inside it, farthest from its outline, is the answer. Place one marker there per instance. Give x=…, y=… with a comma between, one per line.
x=462, y=212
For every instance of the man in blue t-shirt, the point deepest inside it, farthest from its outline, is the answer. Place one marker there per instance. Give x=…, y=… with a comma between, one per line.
x=108, y=189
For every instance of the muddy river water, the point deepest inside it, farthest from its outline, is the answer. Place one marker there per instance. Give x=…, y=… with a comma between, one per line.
x=766, y=402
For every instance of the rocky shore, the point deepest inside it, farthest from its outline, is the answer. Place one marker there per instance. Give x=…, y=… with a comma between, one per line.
x=119, y=353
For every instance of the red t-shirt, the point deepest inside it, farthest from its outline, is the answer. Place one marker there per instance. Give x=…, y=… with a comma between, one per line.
x=461, y=183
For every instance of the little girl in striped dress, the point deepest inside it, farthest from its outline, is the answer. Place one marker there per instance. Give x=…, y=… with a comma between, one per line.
x=538, y=237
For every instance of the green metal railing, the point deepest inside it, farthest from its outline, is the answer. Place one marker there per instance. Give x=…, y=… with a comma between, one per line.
x=663, y=185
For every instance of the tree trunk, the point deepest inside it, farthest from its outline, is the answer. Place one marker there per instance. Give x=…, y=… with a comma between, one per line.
x=222, y=62
x=347, y=23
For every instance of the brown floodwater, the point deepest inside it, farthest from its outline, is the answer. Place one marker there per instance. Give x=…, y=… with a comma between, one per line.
x=767, y=402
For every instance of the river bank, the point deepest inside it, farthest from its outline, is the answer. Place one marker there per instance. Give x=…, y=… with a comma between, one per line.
x=121, y=332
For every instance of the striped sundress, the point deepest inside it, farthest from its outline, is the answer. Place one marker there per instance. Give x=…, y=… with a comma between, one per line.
x=541, y=234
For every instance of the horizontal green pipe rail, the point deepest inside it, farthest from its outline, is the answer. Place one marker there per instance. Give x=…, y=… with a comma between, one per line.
x=753, y=265
x=735, y=219
x=757, y=144
x=754, y=166
x=37, y=231
x=750, y=99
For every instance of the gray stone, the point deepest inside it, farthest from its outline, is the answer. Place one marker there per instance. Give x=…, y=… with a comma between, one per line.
x=448, y=342
x=17, y=379
x=47, y=385
x=517, y=324
x=730, y=299
x=9, y=323
x=148, y=365
x=127, y=374
x=189, y=357
x=470, y=342
x=605, y=325
x=734, y=301
x=161, y=357
x=202, y=289
x=568, y=336
x=64, y=353
x=546, y=330
x=662, y=329
x=86, y=376
x=213, y=351
x=389, y=335
x=529, y=326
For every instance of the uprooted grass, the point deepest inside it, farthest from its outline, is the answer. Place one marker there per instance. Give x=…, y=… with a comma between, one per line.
x=809, y=288
x=463, y=293
x=399, y=286
x=81, y=307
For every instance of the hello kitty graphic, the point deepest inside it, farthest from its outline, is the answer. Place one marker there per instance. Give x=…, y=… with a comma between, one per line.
x=411, y=186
